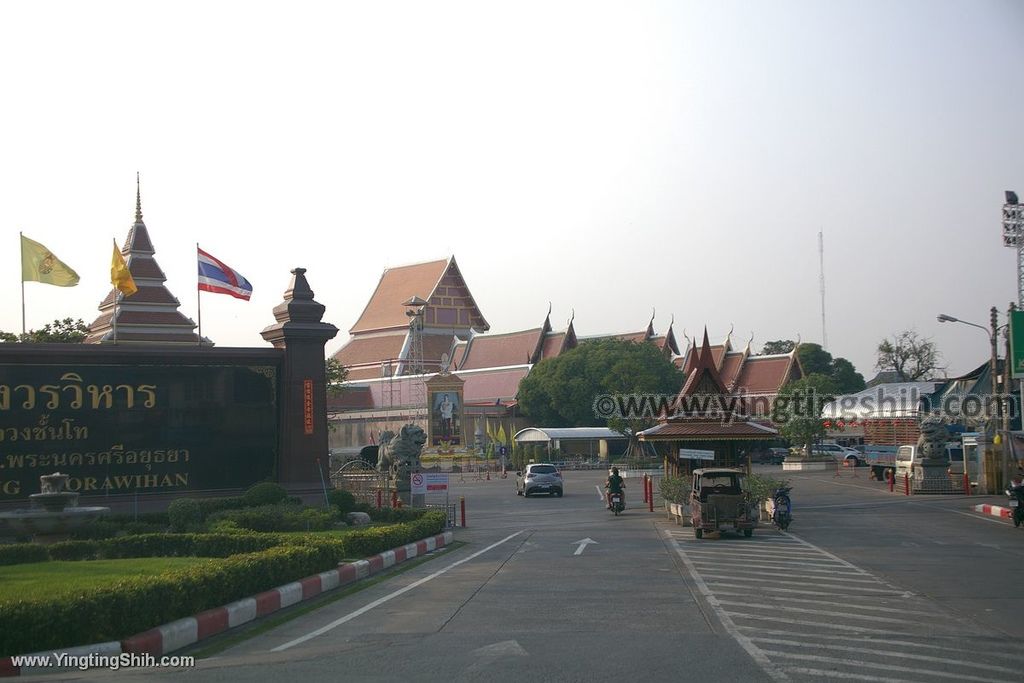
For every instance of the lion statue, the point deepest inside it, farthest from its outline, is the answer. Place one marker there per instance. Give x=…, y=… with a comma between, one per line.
x=399, y=454
x=932, y=442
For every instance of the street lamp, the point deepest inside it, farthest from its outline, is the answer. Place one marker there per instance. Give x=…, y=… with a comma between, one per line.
x=993, y=368
x=1013, y=237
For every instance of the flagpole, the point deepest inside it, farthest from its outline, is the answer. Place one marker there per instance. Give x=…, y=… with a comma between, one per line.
x=199, y=300
x=21, y=242
x=113, y=319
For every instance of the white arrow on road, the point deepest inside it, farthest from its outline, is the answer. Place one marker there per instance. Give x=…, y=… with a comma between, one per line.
x=583, y=543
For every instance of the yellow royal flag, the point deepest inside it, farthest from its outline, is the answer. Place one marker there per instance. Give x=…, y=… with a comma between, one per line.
x=490, y=434
x=501, y=434
x=38, y=264
x=120, y=276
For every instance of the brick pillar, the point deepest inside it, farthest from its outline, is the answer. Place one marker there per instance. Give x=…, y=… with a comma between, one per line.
x=302, y=412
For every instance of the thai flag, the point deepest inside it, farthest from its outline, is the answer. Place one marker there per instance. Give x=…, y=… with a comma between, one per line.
x=216, y=276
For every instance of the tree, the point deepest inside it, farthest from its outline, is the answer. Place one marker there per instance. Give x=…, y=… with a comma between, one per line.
x=563, y=391
x=909, y=355
x=66, y=331
x=814, y=360
x=846, y=377
x=798, y=409
x=335, y=375
x=778, y=346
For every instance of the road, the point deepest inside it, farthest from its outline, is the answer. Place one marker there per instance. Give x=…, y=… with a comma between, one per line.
x=867, y=586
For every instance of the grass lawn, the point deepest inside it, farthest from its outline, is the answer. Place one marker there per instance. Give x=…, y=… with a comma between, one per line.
x=46, y=579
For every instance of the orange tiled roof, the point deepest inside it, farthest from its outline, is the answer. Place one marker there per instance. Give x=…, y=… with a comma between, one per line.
x=384, y=310
x=731, y=366
x=552, y=345
x=363, y=350
x=498, y=350
x=707, y=430
x=764, y=374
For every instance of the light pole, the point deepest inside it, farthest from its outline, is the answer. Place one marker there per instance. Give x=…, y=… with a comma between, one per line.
x=1013, y=237
x=993, y=370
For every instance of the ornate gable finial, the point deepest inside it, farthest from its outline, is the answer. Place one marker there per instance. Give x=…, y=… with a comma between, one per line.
x=138, y=199
x=572, y=316
x=549, y=309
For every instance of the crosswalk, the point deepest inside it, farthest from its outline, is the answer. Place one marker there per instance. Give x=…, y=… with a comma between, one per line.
x=804, y=614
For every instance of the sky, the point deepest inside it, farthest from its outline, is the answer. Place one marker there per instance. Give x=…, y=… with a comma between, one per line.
x=611, y=158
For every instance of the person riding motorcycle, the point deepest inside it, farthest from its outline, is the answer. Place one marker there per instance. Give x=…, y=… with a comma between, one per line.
x=614, y=484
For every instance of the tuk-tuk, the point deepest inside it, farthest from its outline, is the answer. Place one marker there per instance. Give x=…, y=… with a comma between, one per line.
x=719, y=501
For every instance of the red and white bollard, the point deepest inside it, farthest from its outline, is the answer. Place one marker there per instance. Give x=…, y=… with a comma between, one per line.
x=650, y=494
x=967, y=485
x=462, y=506
x=906, y=484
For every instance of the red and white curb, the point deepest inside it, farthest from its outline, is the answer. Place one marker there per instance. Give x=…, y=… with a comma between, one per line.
x=184, y=632
x=994, y=510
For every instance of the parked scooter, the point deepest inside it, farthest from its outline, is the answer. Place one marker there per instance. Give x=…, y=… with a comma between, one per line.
x=616, y=502
x=782, y=512
x=1016, y=495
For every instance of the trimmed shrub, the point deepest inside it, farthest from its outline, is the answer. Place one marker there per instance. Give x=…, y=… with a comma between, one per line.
x=22, y=553
x=254, y=563
x=343, y=500
x=266, y=493
x=283, y=517
x=674, y=489
x=184, y=514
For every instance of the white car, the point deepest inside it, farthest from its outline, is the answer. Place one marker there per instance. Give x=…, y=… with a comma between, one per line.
x=540, y=477
x=838, y=452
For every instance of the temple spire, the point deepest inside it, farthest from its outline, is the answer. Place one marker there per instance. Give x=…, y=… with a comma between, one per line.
x=138, y=199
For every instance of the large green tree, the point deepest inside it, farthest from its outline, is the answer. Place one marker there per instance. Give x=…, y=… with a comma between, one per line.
x=66, y=331
x=815, y=360
x=562, y=391
x=798, y=409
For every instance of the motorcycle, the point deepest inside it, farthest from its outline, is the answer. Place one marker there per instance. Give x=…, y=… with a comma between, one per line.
x=1016, y=495
x=616, y=503
x=782, y=512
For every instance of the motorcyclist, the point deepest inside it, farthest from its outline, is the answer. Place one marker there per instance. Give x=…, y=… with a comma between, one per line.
x=614, y=484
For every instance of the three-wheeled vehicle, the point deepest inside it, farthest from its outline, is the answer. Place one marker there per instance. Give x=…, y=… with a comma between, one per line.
x=719, y=501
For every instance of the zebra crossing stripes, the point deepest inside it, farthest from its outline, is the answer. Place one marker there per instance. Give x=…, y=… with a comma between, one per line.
x=805, y=614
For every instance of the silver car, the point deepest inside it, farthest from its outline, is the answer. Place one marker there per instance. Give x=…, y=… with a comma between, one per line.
x=539, y=478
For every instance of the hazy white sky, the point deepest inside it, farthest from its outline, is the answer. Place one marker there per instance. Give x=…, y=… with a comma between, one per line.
x=607, y=157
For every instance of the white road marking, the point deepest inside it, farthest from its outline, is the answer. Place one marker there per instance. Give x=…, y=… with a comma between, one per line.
x=978, y=515
x=755, y=652
x=784, y=590
x=828, y=674
x=816, y=624
x=886, y=667
x=873, y=608
x=390, y=596
x=804, y=610
x=583, y=543
x=883, y=653
x=872, y=641
x=784, y=571
x=600, y=493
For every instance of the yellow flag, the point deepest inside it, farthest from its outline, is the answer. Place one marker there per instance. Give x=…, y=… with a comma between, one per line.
x=38, y=264
x=490, y=434
x=120, y=276
x=501, y=434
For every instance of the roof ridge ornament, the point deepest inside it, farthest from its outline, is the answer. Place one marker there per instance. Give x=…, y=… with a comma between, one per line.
x=138, y=199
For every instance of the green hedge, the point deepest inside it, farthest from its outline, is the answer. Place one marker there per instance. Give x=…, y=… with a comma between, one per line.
x=135, y=605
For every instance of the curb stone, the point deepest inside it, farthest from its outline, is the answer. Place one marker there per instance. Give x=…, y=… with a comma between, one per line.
x=994, y=510
x=175, y=635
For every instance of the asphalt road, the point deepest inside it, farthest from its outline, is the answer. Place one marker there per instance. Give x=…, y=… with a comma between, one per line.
x=867, y=586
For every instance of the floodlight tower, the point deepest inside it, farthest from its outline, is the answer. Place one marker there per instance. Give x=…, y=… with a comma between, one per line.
x=1013, y=236
x=415, y=307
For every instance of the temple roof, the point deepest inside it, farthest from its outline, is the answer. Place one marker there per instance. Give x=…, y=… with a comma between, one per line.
x=150, y=315
x=500, y=350
x=440, y=283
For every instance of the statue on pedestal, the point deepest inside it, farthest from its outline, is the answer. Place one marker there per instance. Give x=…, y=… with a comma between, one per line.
x=399, y=455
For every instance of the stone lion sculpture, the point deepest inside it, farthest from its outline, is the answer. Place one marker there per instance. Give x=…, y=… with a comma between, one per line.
x=399, y=454
x=932, y=442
